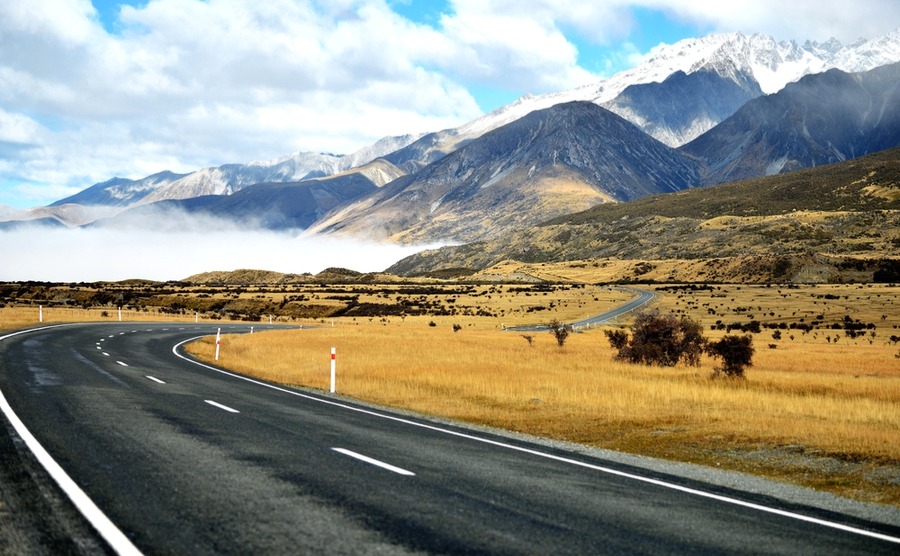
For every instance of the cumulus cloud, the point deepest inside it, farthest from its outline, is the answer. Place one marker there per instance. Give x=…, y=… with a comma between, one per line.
x=184, y=84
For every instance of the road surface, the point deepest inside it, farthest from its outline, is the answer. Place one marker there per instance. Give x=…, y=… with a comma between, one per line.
x=184, y=458
x=642, y=297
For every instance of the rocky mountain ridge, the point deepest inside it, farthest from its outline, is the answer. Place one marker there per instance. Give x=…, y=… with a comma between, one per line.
x=548, y=163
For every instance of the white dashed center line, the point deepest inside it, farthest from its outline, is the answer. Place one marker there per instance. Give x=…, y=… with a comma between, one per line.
x=220, y=406
x=373, y=461
x=154, y=379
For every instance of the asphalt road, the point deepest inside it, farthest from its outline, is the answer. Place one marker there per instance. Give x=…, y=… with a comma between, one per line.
x=186, y=459
x=642, y=297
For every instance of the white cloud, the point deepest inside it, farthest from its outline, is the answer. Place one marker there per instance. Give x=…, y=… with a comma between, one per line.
x=817, y=20
x=98, y=254
x=184, y=84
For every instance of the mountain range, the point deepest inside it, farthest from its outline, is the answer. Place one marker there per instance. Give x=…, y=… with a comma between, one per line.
x=837, y=222
x=693, y=114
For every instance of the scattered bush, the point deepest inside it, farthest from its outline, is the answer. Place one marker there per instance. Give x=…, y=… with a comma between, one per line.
x=560, y=331
x=736, y=353
x=618, y=339
x=660, y=340
x=529, y=339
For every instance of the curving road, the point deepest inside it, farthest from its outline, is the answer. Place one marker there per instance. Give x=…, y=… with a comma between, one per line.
x=184, y=458
x=642, y=297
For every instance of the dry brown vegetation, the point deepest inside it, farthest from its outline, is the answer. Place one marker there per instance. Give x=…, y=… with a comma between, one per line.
x=819, y=407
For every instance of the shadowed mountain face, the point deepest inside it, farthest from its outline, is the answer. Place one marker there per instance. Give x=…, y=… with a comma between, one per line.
x=821, y=119
x=273, y=206
x=684, y=105
x=551, y=162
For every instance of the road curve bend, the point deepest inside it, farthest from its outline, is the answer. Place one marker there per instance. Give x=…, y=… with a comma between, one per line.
x=184, y=457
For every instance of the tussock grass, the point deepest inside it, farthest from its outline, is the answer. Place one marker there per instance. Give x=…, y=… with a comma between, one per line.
x=834, y=405
x=818, y=408
x=14, y=318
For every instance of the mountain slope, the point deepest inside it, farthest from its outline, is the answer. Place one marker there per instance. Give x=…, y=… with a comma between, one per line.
x=230, y=178
x=271, y=205
x=847, y=209
x=681, y=90
x=684, y=105
x=120, y=192
x=551, y=162
x=821, y=119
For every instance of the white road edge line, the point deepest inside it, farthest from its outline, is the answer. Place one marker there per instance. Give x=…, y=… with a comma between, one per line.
x=107, y=529
x=220, y=406
x=375, y=462
x=657, y=482
x=154, y=379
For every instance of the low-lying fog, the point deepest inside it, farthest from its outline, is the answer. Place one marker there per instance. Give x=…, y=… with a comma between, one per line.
x=166, y=251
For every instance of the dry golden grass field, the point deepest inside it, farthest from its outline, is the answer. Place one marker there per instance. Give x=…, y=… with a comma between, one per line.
x=819, y=407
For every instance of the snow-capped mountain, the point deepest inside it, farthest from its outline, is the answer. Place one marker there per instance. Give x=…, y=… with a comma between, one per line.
x=120, y=192
x=821, y=119
x=677, y=93
x=756, y=64
x=231, y=178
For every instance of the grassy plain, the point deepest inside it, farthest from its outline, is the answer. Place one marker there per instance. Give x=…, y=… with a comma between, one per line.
x=818, y=407
x=17, y=317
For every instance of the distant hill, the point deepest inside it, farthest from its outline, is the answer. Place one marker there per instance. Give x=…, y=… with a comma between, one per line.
x=250, y=277
x=850, y=209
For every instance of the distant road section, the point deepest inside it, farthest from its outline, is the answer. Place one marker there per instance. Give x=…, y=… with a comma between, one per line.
x=642, y=298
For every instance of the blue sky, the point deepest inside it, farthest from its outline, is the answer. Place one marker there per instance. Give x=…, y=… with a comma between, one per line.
x=91, y=90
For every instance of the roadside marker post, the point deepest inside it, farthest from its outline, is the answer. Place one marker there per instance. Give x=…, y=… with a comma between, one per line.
x=40, y=313
x=251, y=330
x=218, y=341
x=332, y=370
x=120, y=314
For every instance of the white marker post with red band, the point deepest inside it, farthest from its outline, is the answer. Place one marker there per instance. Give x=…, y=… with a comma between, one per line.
x=218, y=341
x=332, y=370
